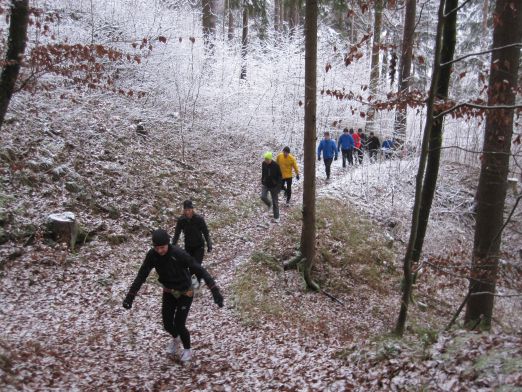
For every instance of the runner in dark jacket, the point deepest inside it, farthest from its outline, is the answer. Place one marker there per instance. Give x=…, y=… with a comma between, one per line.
x=374, y=145
x=172, y=265
x=194, y=229
x=271, y=179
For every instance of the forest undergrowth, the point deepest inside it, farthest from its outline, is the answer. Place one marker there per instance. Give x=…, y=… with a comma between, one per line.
x=64, y=324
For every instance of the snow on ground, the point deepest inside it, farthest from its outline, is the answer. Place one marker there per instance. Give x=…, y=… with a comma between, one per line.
x=64, y=327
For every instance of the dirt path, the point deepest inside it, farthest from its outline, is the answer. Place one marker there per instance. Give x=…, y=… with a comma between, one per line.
x=65, y=327
x=63, y=324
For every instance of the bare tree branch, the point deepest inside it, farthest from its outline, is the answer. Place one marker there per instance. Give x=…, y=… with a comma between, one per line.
x=475, y=106
x=479, y=152
x=479, y=53
x=456, y=9
x=420, y=15
x=507, y=220
x=495, y=295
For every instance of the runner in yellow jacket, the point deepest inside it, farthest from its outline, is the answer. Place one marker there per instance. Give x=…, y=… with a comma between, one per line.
x=287, y=162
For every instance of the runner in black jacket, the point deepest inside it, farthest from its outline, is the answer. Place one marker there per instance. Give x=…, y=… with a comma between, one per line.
x=172, y=265
x=271, y=179
x=194, y=229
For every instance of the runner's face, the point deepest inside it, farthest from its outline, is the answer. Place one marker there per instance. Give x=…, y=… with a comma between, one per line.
x=161, y=249
x=188, y=212
x=285, y=154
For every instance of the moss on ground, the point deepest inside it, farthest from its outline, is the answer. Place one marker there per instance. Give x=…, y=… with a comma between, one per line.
x=351, y=252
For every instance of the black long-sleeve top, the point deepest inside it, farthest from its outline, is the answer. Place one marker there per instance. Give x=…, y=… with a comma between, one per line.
x=374, y=143
x=172, y=269
x=194, y=230
x=271, y=174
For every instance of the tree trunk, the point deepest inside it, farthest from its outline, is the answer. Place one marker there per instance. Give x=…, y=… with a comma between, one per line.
x=15, y=51
x=282, y=15
x=449, y=38
x=491, y=192
x=277, y=13
x=263, y=25
x=374, y=69
x=244, y=42
x=230, y=24
x=407, y=279
x=405, y=71
x=209, y=22
x=308, y=229
x=293, y=14
x=485, y=12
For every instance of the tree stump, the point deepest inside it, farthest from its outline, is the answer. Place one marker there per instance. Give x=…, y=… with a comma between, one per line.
x=63, y=227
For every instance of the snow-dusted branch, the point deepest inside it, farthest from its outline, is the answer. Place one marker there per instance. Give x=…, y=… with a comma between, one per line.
x=457, y=8
x=519, y=44
x=475, y=106
x=445, y=271
x=475, y=151
x=506, y=222
x=494, y=294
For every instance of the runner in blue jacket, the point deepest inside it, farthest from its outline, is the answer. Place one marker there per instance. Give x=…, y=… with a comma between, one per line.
x=329, y=149
x=346, y=145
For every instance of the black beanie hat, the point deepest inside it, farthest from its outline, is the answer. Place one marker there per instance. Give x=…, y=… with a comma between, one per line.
x=160, y=237
x=187, y=204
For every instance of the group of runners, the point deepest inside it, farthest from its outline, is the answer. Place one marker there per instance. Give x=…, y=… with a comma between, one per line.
x=352, y=145
x=180, y=271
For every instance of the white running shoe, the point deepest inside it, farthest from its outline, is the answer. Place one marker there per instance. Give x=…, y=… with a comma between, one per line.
x=195, y=282
x=173, y=346
x=276, y=220
x=186, y=355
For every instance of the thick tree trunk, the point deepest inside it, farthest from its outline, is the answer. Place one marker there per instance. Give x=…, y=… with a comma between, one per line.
x=374, y=70
x=449, y=40
x=405, y=71
x=491, y=192
x=407, y=279
x=209, y=22
x=15, y=50
x=308, y=229
x=244, y=42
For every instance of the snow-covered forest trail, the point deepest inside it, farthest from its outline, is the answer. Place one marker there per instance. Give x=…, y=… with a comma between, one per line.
x=65, y=328
x=76, y=335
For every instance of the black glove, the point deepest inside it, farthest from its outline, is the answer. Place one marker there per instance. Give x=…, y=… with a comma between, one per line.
x=218, y=298
x=127, y=302
x=209, y=248
x=335, y=158
x=318, y=158
x=297, y=177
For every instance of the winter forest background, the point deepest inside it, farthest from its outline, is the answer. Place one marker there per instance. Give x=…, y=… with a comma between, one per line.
x=123, y=109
